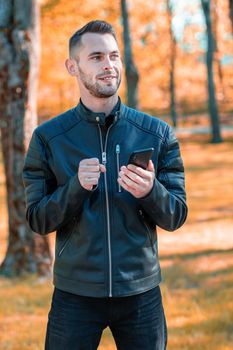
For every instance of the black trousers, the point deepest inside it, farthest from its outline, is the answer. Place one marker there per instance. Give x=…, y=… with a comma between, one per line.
x=136, y=322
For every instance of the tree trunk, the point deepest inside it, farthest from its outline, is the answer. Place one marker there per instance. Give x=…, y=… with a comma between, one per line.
x=172, y=58
x=213, y=109
x=132, y=76
x=216, y=49
x=231, y=13
x=19, y=54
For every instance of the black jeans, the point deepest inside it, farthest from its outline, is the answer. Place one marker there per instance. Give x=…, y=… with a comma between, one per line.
x=136, y=322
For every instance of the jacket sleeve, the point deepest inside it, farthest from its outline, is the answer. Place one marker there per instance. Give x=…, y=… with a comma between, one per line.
x=166, y=203
x=48, y=206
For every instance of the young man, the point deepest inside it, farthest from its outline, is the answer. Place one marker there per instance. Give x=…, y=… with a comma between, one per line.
x=104, y=212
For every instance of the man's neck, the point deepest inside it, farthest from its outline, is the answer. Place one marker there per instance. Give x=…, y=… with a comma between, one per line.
x=100, y=105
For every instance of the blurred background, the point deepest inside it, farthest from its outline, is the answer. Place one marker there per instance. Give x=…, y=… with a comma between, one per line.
x=178, y=58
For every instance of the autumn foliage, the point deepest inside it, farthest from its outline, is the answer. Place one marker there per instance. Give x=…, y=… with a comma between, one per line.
x=197, y=259
x=151, y=47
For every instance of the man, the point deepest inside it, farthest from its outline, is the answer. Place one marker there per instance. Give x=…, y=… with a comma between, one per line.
x=104, y=212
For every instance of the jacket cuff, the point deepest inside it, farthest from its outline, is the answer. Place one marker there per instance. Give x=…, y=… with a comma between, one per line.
x=75, y=188
x=155, y=198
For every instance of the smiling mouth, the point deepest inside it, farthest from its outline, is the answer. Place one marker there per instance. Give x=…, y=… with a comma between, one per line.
x=107, y=78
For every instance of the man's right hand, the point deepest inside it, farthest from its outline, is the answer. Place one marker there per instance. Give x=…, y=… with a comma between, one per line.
x=89, y=172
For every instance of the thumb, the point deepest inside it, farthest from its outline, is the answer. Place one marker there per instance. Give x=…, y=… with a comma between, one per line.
x=102, y=168
x=151, y=166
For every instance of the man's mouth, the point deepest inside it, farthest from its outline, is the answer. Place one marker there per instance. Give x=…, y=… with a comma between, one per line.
x=107, y=77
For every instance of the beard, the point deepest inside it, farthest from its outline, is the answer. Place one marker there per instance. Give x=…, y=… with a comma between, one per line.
x=98, y=89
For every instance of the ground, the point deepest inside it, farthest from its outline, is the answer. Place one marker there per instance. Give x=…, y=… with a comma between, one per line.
x=196, y=260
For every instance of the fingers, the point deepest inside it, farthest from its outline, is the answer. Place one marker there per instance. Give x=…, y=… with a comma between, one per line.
x=88, y=180
x=151, y=166
x=90, y=161
x=91, y=164
x=89, y=168
x=128, y=184
x=89, y=172
x=125, y=186
x=138, y=171
x=102, y=168
x=130, y=177
x=136, y=180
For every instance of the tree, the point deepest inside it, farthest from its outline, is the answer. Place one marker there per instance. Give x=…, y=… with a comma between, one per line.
x=213, y=109
x=217, y=53
x=19, y=53
x=231, y=13
x=132, y=76
x=172, y=58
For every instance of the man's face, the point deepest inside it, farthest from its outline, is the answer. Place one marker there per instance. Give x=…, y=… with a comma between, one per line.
x=99, y=64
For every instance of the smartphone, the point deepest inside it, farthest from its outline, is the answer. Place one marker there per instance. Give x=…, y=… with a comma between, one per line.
x=141, y=157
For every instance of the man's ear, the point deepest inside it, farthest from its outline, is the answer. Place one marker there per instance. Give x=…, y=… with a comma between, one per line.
x=71, y=66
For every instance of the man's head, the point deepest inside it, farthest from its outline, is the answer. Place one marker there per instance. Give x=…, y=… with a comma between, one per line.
x=95, y=59
x=99, y=27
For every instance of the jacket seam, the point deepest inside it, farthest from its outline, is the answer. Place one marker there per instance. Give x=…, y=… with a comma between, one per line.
x=46, y=142
x=166, y=147
x=138, y=278
x=71, y=279
x=166, y=135
x=146, y=130
x=127, y=111
x=47, y=177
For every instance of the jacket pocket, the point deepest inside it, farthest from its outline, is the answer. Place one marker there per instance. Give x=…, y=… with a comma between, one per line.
x=118, y=151
x=67, y=240
x=150, y=233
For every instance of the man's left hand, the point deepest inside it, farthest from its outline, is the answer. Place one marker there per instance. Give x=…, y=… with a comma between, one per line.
x=136, y=180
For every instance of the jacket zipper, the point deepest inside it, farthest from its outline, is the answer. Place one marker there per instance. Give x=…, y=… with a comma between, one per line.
x=118, y=164
x=148, y=232
x=104, y=161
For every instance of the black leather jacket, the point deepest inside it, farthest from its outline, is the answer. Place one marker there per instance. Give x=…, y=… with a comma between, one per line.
x=106, y=241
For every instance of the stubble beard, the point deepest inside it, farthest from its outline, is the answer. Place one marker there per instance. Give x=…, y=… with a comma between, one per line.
x=97, y=89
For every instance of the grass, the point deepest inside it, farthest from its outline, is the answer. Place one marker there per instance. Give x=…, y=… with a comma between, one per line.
x=198, y=302
x=196, y=260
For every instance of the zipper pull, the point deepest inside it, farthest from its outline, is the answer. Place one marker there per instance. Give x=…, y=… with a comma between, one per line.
x=104, y=157
x=116, y=116
x=118, y=164
x=140, y=212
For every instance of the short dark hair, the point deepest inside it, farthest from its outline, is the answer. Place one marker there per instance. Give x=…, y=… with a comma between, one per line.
x=96, y=26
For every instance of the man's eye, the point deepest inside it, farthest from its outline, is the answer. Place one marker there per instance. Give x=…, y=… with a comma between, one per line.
x=115, y=56
x=96, y=58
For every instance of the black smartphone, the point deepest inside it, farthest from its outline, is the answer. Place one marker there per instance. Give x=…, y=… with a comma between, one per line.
x=141, y=157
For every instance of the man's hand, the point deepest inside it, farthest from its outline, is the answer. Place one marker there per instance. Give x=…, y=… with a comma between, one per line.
x=136, y=180
x=89, y=172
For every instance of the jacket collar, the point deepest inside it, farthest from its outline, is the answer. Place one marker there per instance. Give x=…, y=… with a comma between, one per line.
x=98, y=118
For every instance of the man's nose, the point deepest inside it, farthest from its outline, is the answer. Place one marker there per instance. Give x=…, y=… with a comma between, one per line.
x=107, y=63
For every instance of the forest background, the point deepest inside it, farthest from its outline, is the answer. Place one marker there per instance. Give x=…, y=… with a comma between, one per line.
x=197, y=259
